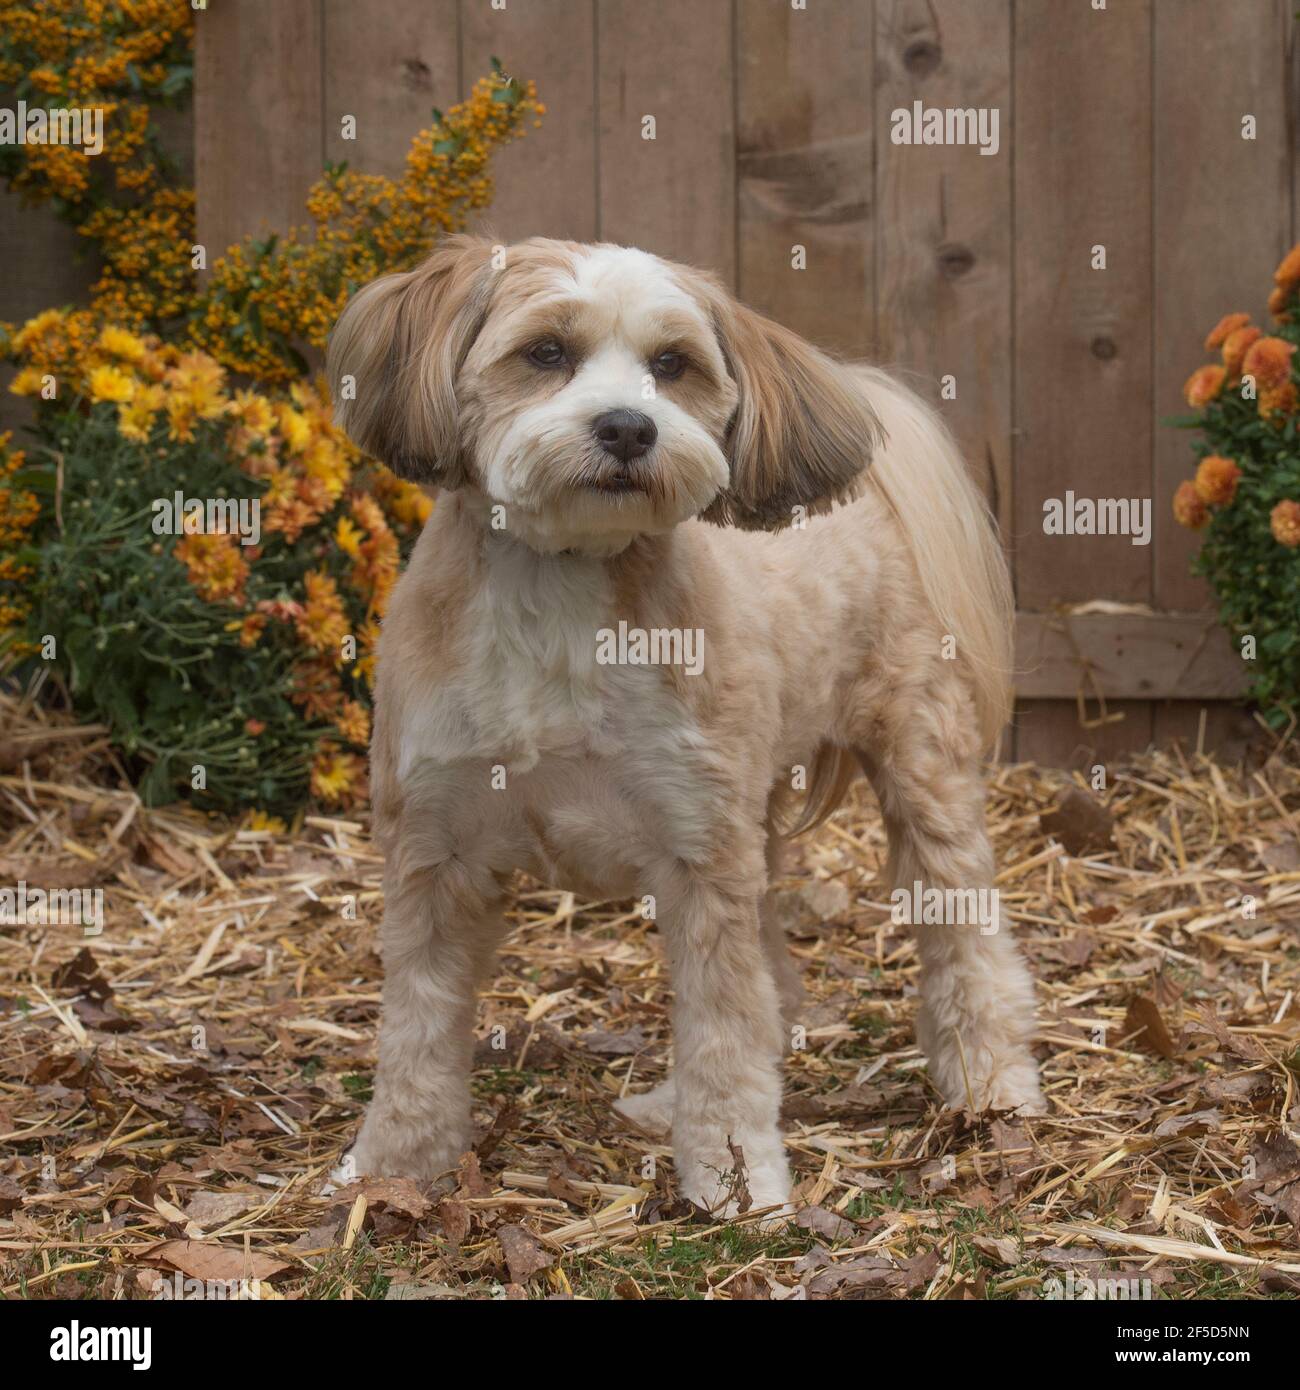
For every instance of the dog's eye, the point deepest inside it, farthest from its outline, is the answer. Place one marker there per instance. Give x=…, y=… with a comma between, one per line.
x=668, y=366
x=547, y=353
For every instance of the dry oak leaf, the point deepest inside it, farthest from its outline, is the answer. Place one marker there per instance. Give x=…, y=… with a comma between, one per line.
x=523, y=1253
x=823, y=1222
x=211, y=1262
x=1144, y=1027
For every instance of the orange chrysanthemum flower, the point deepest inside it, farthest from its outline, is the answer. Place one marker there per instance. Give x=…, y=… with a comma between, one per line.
x=1235, y=346
x=1288, y=271
x=1268, y=360
x=1284, y=522
x=216, y=565
x=353, y=722
x=1189, y=510
x=1229, y=323
x=1277, y=303
x=324, y=622
x=1216, y=480
x=1204, y=385
x=1278, y=401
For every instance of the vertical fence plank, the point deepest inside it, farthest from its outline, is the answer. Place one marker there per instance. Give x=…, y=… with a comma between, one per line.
x=387, y=64
x=44, y=264
x=257, y=112
x=676, y=194
x=944, y=261
x=1083, y=387
x=1214, y=65
x=804, y=165
x=545, y=183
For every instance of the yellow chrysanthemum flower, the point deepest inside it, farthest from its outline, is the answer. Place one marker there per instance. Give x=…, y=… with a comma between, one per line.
x=117, y=342
x=110, y=384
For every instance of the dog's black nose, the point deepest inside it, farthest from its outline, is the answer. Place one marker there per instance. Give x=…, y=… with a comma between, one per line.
x=627, y=434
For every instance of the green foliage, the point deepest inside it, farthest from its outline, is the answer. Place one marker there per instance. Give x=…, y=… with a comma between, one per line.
x=1255, y=579
x=139, y=647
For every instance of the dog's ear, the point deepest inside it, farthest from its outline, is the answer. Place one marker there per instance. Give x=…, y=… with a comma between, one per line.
x=395, y=354
x=803, y=432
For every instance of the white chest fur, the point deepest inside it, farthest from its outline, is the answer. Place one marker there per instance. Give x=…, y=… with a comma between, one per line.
x=529, y=682
x=596, y=754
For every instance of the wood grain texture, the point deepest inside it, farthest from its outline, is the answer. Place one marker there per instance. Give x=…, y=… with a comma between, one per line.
x=259, y=142
x=1083, y=335
x=387, y=63
x=546, y=182
x=1049, y=732
x=676, y=194
x=1229, y=730
x=944, y=231
x=1161, y=655
x=804, y=151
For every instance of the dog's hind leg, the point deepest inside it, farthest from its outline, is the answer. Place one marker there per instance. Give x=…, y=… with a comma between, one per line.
x=977, y=997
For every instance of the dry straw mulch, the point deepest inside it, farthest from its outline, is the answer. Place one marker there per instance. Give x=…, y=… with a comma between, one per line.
x=175, y=1092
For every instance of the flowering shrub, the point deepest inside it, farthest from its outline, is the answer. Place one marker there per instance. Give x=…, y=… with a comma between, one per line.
x=1246, y=491
x=246, y=655
x=233, y=663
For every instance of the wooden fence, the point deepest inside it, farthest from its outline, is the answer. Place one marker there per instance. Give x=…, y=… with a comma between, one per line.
x=1119, y=127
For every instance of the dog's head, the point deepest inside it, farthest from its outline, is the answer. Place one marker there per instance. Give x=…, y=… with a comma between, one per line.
x=597, y=392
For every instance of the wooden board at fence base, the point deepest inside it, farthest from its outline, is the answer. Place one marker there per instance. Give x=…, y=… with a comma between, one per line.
x=1225, y=729
x=1050, y=732
x=546, y=182
x=1126, y=656
x=666, y=69
x=259, y=142
x=944, y=223
x=804, y=157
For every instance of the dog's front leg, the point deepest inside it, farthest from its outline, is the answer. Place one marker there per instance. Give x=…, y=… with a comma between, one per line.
x=439, y=933
x=727, y=1082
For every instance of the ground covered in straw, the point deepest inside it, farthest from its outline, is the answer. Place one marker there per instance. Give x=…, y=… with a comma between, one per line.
x=175, y=1092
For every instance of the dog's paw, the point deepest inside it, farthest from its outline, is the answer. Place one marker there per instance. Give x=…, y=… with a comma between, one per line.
x=1016, y=1087
x=755, y=1178
x=651, y=1111
x=391, y=1146
x=1008, y=1085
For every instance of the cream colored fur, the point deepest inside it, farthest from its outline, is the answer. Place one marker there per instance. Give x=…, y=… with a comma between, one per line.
x=501, y=743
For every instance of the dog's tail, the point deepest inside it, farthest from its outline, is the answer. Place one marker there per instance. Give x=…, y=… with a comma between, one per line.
x=953, y=538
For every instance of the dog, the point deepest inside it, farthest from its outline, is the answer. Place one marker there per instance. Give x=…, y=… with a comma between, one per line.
x=619, y=447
